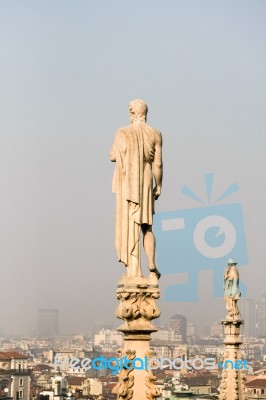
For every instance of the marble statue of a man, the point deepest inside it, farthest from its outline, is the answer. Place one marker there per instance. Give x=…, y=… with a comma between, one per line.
x=137, y=182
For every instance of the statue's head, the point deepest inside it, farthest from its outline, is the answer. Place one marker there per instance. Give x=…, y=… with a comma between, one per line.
x=138, y=111
x=231, y=262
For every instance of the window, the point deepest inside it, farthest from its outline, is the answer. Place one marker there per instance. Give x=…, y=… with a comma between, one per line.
x=21, y=382
x=21, y=394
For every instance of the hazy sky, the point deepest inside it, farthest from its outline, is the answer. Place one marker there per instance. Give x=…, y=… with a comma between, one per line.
x=68, y=70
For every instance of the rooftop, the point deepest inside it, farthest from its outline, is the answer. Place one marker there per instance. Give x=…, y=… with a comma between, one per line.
x=258, y=383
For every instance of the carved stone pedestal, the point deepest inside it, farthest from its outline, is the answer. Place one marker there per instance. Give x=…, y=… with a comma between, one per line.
x=137, y=308
x=232, y=385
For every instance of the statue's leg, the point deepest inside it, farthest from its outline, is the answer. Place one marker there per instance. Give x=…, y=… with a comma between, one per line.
x=133, y=268
x=149, y=247
x=235, y=307
x=231, y=306
x=135, y=254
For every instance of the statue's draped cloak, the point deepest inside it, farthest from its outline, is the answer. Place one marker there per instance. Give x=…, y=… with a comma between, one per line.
x=133, y=149
x=231, y=282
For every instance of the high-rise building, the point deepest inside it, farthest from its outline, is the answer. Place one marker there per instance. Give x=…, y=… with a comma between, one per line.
x=261, y=317
x=206, y=330
x=248, y=312
x=191, y=330
x=178, y=323
x=48, y=322
x=216, y=329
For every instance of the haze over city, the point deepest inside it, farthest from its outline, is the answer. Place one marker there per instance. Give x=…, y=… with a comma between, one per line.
x=68, y=70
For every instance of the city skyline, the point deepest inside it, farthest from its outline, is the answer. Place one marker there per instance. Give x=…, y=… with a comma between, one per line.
x=68, y=71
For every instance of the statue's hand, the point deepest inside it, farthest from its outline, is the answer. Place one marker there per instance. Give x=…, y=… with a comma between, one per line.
x=157, y=192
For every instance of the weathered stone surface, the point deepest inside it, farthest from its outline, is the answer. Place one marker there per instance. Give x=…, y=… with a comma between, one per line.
x=137, y=182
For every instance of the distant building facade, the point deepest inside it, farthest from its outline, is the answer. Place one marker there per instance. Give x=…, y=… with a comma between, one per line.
x=248, y=311
x=48, y=322
x=191, y=330
x=108, y=337
x=178, y=323
x=14, y=376
x=206, y=330
x=256, y=389
x=170, y=350
x=252, y=348
x=261, y=317
x=217, y=329
x=165, y=335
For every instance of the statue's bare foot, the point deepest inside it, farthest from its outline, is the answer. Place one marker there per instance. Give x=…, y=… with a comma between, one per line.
x=155, y=270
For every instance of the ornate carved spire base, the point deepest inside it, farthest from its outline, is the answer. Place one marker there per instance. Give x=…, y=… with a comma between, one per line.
x=137, y=308
x=232, y=385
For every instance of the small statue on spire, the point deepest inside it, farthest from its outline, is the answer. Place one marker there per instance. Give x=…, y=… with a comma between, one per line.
x=231, y=289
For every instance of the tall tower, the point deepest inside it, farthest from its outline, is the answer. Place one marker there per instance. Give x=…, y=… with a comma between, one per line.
x=261, y=316
x=179, y=325
x=248, y=311
x=48, y=322
x=232, y=385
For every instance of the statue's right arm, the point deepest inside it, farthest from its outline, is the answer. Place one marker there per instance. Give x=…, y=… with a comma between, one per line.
x=118, y=145
x=157, y=166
